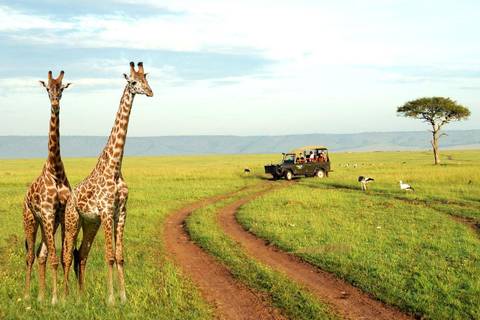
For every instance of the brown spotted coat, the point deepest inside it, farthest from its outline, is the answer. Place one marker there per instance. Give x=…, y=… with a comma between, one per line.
x=101, y=198
x=46, y=197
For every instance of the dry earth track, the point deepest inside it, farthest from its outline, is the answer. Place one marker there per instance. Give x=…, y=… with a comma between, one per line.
x=233, y=299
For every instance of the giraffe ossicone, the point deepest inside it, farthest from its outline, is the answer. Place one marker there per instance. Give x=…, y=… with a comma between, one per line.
x=101, y=198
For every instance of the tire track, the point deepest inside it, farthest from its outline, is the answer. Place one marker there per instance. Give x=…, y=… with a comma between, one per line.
x=231, y=298
x=349, y=300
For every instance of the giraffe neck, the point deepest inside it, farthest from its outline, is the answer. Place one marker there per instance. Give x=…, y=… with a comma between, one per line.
x=116, y=142
x=54, y=160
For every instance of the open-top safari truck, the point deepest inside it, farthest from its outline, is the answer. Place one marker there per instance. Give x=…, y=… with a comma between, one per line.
x=311, y=161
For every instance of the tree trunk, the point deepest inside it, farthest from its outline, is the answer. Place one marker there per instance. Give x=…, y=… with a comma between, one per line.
x=434, y=143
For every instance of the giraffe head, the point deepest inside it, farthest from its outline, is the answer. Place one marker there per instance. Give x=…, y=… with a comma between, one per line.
x=137, y=81
x=55, y=87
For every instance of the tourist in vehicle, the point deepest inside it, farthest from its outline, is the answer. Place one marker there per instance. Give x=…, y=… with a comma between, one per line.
x=300, y=158
x=311, y=158
x=322, y=157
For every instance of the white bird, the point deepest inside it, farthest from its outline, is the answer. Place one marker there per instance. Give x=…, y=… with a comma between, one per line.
x=405, y=186
x=364, y=181
x=246, y=170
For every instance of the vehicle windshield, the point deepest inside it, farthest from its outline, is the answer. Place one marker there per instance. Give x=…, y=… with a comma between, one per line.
x=289, y=158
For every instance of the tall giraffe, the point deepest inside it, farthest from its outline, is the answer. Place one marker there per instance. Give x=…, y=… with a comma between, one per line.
x=46, y=197
x=101, y=198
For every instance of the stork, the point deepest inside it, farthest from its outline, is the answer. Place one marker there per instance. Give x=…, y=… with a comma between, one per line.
x=246, y=171
x=364, y=181
x=405, y=186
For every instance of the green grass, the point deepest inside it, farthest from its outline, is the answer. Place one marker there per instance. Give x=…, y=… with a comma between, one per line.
x=284, y=293
x=404, y=248
x=156, y=288
x=420, y=259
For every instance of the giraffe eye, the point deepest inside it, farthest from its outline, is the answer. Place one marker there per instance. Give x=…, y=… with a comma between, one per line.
x=134, y=83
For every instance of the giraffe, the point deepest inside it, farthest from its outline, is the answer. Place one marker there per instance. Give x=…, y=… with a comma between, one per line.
x=46, y=197
x=101, y=198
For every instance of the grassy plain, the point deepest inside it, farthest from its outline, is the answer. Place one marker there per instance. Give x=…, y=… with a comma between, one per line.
x=404, y=248
x=410, y=250
x=155, y=286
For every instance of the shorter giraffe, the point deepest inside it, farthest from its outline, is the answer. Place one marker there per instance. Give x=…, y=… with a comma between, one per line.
x=46, y=197
x=101, y=198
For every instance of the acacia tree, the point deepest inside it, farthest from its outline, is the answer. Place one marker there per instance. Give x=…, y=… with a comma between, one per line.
x=436, y=111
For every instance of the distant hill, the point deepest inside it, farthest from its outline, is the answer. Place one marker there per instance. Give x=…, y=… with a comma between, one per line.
x=17, y=147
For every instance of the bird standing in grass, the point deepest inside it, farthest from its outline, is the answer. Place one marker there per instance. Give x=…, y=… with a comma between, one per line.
x=246, y=171
x=364, y=181
x=405, y=186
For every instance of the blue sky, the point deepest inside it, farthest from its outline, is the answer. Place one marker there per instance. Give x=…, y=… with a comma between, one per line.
x=238, y=67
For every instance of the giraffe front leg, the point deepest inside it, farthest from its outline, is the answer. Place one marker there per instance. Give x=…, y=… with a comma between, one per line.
x=107, y=224
x=42, y=255
x=30, y=225
x=119, y=226
x=49, y=228
x=72, y=219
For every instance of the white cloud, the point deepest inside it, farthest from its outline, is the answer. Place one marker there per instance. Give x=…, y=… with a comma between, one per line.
x=352, y=60
x=13, y=20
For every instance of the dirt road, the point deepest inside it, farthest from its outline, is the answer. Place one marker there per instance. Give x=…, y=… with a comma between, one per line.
x=233, y=299
x=350, y=301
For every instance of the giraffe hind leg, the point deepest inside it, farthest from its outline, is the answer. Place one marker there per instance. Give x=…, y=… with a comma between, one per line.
x=76, y=261
x=31, y=227
x=80, y=261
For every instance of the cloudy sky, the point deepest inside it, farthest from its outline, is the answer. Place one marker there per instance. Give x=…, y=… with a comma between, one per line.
x=238, y=67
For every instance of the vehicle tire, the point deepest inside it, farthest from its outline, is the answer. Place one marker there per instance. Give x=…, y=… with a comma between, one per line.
x=320, y=174
x=288, y=175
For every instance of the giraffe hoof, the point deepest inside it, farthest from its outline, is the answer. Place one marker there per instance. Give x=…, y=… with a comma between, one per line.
x=54, y=301
x=111, y=301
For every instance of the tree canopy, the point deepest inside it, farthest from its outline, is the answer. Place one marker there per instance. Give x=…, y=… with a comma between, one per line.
x=435, y=110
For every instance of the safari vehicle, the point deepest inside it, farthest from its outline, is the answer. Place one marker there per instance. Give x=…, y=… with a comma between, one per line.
x=299, y=163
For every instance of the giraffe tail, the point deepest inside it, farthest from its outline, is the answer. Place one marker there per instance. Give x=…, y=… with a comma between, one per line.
x=26, y=247
x=76, y=261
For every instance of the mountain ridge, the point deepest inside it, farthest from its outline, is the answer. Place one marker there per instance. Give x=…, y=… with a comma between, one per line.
x=21, y=147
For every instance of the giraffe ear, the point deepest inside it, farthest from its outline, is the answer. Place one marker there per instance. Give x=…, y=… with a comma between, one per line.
x=42, y=83
x=67, y=85
x=126, y=77
x=147, y=75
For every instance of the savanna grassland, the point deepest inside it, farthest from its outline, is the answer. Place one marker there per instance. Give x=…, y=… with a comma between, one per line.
x=419, y=251
x=155, y=287
x=416, y=251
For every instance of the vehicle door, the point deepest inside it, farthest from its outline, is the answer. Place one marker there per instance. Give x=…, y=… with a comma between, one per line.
x=300, y=167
